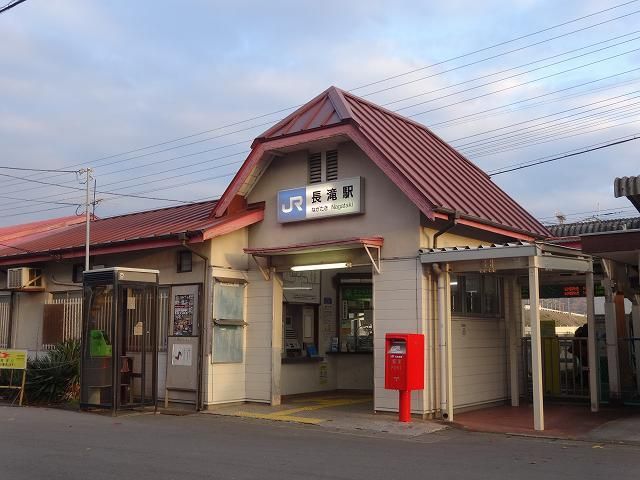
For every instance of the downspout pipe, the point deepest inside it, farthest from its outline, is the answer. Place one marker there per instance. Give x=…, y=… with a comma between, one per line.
x=452, y=222
x=442, y=339
x=202, y=330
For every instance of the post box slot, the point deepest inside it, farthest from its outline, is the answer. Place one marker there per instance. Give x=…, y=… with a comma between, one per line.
x=398, y=347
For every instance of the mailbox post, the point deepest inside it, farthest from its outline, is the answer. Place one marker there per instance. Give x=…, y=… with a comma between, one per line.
x=404, y=368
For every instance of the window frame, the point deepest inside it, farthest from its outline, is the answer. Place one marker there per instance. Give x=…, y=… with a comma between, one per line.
x=462, y=301
x=181, y=255
x=237, y=324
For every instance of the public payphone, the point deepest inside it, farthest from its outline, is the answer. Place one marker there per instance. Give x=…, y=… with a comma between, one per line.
x=119, y=346
x=404, y=367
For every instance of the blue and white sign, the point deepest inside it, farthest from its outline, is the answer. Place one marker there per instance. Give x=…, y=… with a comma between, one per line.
x=321, y=200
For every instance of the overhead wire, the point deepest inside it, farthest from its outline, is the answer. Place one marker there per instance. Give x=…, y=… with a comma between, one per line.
x=405, y=73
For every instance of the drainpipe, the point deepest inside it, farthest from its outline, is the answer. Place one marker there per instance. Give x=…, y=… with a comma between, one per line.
x=442, y=341
x=453, y=221
x=202, y=330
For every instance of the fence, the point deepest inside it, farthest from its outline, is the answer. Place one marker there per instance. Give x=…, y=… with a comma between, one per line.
x=5, y=318
x=565, y=369
x=72, y=319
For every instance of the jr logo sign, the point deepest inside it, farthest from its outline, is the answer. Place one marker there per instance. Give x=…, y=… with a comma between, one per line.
x=321, y=200
x=292, y=205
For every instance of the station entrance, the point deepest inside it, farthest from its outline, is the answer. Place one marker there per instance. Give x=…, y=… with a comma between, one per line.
x=119, y=351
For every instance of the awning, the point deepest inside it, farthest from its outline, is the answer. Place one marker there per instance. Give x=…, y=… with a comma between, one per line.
x=319, y=246
x=628, y=187
x=371, y=245
x=509, y=256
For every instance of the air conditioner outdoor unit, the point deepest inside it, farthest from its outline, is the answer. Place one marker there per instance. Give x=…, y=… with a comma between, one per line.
x=24, y=278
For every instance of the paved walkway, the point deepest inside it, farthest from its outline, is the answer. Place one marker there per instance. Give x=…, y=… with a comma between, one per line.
x=561, y=421
x=334, y=411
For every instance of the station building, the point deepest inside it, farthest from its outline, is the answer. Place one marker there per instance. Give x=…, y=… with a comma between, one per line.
x=345, y=222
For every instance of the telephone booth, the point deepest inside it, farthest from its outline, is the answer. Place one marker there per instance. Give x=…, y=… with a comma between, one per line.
x=119, y=347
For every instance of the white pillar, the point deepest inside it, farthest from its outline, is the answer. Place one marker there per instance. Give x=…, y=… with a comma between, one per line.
x=447, y=282
x=444, y=344
x=536, y=349
x=613, y=357
x=635, y=319
x=592, y=345
x=512, y=317
x=276, y=338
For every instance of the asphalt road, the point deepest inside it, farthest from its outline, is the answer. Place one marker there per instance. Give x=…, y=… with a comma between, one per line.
x=50, y=444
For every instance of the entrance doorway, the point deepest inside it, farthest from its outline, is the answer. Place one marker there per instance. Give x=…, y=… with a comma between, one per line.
x=327, y=332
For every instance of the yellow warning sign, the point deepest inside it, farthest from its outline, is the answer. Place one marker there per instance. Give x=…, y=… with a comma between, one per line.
x=13, y=359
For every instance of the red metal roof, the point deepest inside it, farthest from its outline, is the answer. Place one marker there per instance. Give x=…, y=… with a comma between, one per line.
x=15, y=231
x=322, y=245
x=430, y=172
x=133, y=230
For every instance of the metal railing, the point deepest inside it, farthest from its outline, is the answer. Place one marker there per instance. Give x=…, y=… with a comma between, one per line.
x=565, y=370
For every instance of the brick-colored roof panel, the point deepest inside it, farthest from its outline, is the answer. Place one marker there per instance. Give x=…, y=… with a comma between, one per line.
x=135, y=226
x=437, y=173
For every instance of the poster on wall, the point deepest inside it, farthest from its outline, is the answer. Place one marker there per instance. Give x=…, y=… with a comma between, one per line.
x=183, y=310
x=182, y=354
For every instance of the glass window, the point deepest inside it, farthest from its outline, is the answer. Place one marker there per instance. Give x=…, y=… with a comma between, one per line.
x=185, y=261
x=356, y=318
x=475, y=294
x=228, y=301
x=228, y=343
x=456, y=283
x=490, y=297
x=472, y=294
x=228, y=307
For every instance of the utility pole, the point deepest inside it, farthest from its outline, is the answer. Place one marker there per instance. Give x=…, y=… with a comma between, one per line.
x=87, y=214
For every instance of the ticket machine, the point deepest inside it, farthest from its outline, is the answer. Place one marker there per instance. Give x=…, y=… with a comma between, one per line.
x=404, y=368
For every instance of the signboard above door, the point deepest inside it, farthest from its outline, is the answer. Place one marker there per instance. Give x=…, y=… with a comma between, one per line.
x=321, y=200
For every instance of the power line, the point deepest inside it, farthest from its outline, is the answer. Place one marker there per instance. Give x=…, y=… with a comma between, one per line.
x=38, y=169
x=451, y=121
x=437, y=98
x=394, y=76
x=593, y=149
x=484, y=49
x=507, y=137
x=505, y=53
x=451, y=141
x=532, y=142
x=10, y=5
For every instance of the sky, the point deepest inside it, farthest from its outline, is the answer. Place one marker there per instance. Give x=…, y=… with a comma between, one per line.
x=88, y=83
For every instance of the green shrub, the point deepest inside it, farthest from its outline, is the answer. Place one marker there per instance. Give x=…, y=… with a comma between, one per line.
x=55, y=377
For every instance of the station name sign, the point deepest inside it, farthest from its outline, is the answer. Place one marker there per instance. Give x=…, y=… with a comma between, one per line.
x=321, y=200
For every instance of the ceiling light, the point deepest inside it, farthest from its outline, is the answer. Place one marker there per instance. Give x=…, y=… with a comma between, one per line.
x=321, y=266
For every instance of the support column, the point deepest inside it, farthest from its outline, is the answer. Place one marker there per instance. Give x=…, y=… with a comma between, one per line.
x=447, y=282
x=592, y=345
x=514, y=308
x=276, y=338
x=613, y=357
x=536, y=349
x=635, y=319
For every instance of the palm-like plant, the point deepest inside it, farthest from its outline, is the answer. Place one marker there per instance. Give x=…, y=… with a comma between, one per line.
x=55, y=377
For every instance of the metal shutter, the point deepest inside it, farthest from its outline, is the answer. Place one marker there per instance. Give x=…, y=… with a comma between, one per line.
x=332, y=165
x=315, y=168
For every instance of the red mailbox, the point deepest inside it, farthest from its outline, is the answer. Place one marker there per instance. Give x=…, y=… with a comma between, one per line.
x=404, y=367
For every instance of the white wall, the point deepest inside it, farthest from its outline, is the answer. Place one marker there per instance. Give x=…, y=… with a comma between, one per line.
x=260, y=315
x=479, y=360
x=398, y=308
